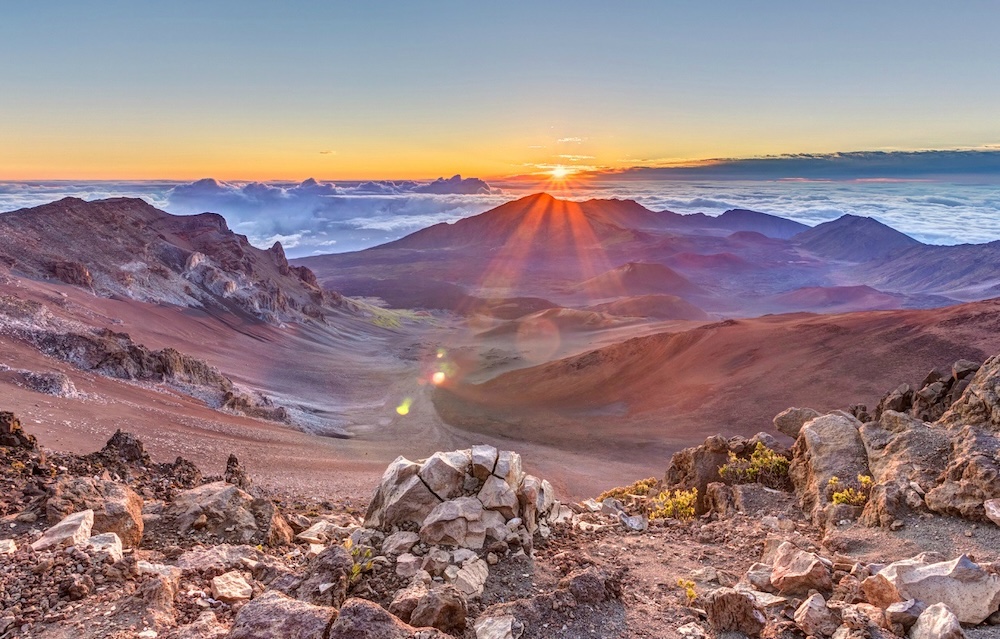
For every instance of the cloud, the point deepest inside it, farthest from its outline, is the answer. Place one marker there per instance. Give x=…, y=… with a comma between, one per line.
x=857, y=165
x=576, y=158
x=570, y=140
x=328, y=152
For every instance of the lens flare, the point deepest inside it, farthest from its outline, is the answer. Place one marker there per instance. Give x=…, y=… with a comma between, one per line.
x=404, y=407
x=438, y=378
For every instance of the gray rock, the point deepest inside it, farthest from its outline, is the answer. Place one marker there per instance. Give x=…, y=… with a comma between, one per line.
x=790, y=420
x=276, y=616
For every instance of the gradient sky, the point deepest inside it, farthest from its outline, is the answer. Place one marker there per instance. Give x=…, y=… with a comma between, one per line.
x=245, y=89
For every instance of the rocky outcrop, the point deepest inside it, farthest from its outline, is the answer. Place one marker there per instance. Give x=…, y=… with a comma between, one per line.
x=697, y=467
x=276, y=616
x=461, y=498
x=797, y=572
x=12, y=435
x=230, y=514
x=360, y=619
x=966, y=589
x=117, y=508
x=828, y=446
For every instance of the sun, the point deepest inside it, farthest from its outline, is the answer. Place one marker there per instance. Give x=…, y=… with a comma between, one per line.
x=560, y=172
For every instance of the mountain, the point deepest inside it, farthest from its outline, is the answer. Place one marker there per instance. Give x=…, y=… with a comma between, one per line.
x=855, y=239
x=124, y=247
x=965, y=271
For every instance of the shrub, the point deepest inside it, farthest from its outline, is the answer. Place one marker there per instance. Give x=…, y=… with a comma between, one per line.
x=362, y=557
x=689, y=591
x=640, y=488
x=764, y=466
x=675, y=504
x=848, y=494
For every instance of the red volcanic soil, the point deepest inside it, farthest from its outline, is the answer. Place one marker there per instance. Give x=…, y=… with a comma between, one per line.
x=647, y=396
x=662, y=307
x=830, y=299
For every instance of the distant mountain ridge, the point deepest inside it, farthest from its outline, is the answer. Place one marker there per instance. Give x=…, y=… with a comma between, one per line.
x=126, y=247
x=854, y=238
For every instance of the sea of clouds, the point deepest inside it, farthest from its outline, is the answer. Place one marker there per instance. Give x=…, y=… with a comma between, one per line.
x=313, y=217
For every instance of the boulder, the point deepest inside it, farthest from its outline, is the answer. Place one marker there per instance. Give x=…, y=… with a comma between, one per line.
x=444, y=473
x=231, y=587
x=814, y=618
x=697, y=467
x=508, y=468
x=117, y=508
x=980, y=403
x=592, y=586
x=484, y=460
x=497, y=495
x=400, y=542
x=273, y=615
x=937, y=622
x=361, y=619
x=970, y=477
x=12, y=435
x=905, y=613
x=828, y=446
x=217, y=558
x=323, y=532
x=108, y=543
x=231, y=514
x=791, y=420
x=453, y=523
x=74, y=530
x=966, y=589
x=405, y=601
x=469, y=578
x=443, y=608
x=401, y=497
x=797, y=572
x=731, y=610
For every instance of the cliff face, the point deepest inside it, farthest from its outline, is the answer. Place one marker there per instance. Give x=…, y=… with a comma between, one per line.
x=125, y=247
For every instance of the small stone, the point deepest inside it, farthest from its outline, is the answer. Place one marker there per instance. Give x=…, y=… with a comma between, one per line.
x=7, y=547
x=492, y=559
x=109, y=543
x=408, y=565
x=400, y=542
x=231, y=587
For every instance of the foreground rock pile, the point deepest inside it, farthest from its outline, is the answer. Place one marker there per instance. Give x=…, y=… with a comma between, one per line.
x=869, y=525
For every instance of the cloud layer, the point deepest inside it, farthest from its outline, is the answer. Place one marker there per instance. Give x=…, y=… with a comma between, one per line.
x=314, y=217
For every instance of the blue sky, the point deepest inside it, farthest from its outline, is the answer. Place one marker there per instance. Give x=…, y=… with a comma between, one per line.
x=262, y=90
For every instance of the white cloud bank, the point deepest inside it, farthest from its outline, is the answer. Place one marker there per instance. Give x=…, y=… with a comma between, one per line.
x=318, y=217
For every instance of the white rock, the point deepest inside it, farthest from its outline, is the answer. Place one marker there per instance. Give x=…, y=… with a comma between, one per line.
x=231, y=587
x=502, y=627
x=110, y=543
x=992, y=507
x=400, y=542
x=692, y=631
x=508, y=468
x=497, y=495
x=324, y=531
x=7, y=547
x=444, y=473
x=173, y=573
x=470, y=579
x=74, y=530
x=967, y=590
x=484, y=459
x=448, y=524
x=937, y=622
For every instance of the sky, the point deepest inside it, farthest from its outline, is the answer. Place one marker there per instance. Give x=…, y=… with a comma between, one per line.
x=252, y=90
